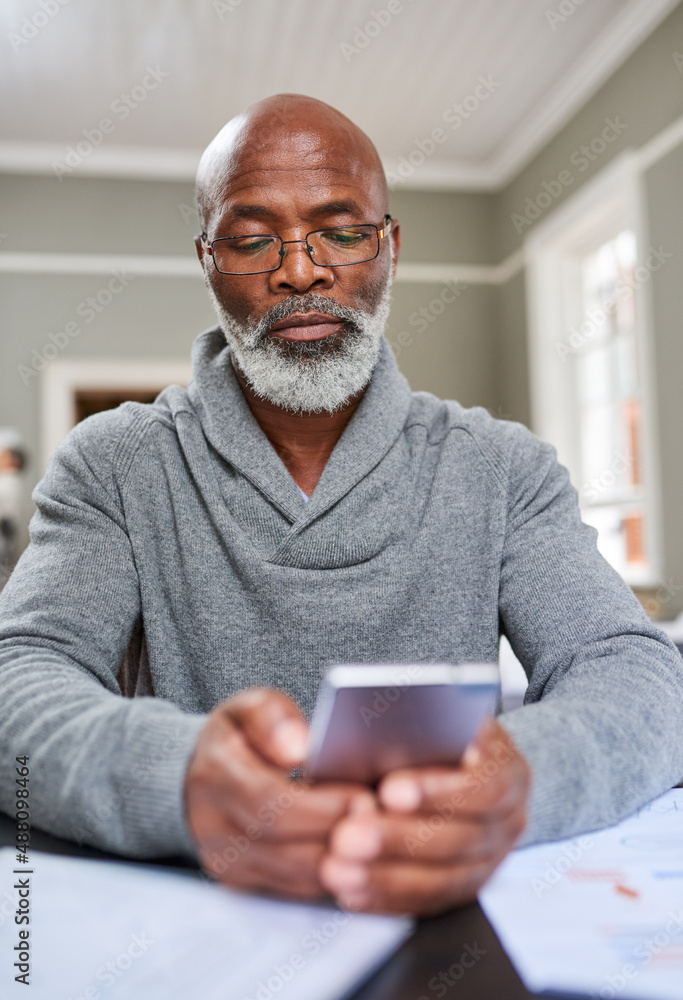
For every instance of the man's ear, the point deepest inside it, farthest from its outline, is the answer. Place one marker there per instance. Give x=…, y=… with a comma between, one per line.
x=199, y=248
x=395, y=246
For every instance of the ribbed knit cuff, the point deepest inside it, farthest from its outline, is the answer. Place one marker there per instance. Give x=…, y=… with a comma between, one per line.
x=558, y=803
x=154, y=816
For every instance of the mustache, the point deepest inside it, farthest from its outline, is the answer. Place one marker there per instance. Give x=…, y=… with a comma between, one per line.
x=310, y=302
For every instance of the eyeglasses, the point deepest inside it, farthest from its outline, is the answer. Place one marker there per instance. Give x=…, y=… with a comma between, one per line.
x=335, y=247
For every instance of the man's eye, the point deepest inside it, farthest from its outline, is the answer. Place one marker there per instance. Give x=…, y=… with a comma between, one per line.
x=344, y=238
x=250, y=246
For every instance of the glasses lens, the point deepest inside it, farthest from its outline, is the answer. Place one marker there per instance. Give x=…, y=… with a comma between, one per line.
x=345, y=245
x=246, y=254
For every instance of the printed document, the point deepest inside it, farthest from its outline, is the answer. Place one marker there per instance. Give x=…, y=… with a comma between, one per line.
x=599, y=915
x=107, y=930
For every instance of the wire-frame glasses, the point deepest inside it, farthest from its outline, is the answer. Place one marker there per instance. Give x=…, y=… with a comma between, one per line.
x=337, y=246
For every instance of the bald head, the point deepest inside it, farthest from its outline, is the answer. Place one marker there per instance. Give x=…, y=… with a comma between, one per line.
x=283, y=134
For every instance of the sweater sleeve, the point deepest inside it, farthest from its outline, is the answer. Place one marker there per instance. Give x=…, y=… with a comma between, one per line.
x=104, y=769
x=603, y=715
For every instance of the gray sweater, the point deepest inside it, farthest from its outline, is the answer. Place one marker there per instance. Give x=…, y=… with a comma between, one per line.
x=174, y=562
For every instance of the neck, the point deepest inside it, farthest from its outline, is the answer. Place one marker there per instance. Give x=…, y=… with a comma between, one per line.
x=304, y=441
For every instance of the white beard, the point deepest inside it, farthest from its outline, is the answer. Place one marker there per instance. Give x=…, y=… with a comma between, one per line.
x=307, y=376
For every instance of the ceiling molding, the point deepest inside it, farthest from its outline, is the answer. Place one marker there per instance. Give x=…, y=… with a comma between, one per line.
x=558, y=105
x=443, y=175
x=30, y=262
x=127, y=162
x=140, y=163
x=600, y=61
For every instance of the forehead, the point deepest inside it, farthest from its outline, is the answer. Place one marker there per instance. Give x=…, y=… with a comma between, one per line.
x=298, y=146
x=281, y=169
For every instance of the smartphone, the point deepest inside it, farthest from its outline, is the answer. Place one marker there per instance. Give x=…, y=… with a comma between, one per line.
x=371, y=719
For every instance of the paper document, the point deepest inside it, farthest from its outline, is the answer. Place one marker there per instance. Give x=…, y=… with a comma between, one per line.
x=601, y=914
x=102, y=930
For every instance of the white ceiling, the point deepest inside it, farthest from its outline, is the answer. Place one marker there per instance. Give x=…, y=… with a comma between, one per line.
x=221, y=55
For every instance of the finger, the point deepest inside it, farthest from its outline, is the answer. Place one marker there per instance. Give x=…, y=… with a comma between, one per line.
x=399, y=887
x=304, y=888
x=290, y=864
x=233, y=786
x=368, y=837
x=364, y=802
x=298, y=894
x=491, y=781
x=272, y=723
x=490, y=739
x=288, y=867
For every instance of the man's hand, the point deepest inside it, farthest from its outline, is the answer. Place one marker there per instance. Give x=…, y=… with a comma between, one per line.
x=432, y=836
x=254, y=827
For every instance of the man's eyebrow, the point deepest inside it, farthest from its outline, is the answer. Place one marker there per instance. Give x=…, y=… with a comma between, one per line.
x=247, y=211
x=344, y=207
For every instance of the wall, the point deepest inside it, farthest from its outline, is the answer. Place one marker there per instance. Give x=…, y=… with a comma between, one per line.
x=444, y=335
x=646, y=94
x=472, y=348
x=160, y=316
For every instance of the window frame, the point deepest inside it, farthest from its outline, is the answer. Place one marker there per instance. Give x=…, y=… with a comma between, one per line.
x=609, y=202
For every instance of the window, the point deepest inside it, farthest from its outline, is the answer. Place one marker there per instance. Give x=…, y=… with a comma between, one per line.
x=608, y=387
x=591, y=393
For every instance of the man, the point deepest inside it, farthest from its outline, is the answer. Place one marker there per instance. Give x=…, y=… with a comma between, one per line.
x=208, y=557
x=12, y=461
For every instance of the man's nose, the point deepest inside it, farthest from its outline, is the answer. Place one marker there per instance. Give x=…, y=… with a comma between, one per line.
x=298, y=272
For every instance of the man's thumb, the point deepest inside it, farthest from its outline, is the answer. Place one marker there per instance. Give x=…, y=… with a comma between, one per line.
x=272, y=724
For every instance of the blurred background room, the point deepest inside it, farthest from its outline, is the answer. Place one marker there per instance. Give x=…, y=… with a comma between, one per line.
x=534, y=150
